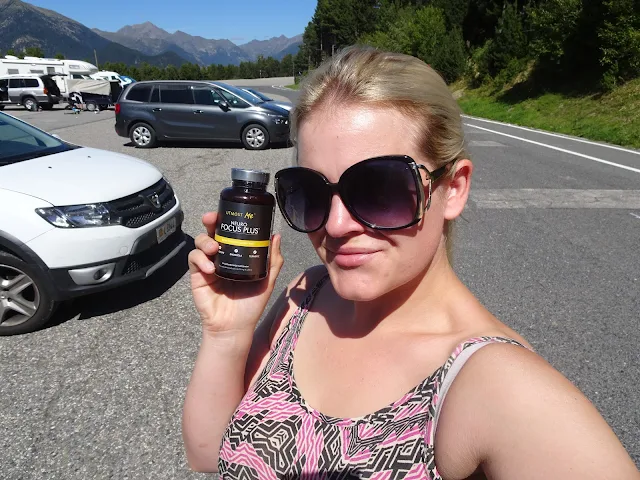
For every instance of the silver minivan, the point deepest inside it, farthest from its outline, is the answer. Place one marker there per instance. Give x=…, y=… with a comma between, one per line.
x=31, y=91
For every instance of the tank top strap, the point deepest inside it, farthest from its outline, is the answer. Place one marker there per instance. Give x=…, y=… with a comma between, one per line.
x=452, y=367
x=287, y=341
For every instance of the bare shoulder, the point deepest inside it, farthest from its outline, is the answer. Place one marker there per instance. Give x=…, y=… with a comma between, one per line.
x=277, y=318
x=523, y=419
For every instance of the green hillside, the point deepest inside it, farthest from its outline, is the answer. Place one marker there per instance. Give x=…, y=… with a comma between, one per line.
x=571, y=66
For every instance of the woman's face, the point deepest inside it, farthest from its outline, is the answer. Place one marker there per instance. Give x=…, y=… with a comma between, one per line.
x=364, y=263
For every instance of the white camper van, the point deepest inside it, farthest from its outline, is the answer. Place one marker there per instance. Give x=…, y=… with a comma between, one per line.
x=60, y=70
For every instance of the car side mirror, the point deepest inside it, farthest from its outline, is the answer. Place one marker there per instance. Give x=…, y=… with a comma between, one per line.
x=224, y=106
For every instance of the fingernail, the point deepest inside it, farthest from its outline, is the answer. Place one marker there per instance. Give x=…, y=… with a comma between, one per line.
x=210, y=267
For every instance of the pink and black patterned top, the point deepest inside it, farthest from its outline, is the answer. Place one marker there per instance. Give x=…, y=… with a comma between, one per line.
x=274, y=434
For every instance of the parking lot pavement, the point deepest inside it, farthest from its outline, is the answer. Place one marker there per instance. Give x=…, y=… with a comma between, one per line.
x=99, y=393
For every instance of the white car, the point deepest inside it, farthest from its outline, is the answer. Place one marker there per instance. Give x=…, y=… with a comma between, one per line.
x=75, y=220
x=265, y=98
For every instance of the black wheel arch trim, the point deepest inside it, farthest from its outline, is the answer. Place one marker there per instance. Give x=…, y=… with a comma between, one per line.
x=12, y=245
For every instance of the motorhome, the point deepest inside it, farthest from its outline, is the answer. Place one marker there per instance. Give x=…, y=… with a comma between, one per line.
x=60, y=70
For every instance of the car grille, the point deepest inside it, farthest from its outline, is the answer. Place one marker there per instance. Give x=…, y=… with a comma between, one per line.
x=138, y=209
x=152, y=255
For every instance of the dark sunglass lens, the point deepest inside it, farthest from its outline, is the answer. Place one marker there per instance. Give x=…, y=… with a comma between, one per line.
x=383, y=193
x=303, y=198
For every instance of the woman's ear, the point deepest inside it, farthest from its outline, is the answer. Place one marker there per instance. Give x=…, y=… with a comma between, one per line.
x=458, y=188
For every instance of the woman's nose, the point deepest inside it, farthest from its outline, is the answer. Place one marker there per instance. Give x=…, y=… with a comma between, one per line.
x=340, y=221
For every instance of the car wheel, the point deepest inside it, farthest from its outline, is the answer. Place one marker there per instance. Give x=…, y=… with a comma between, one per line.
x=92, y=106
x=255, y=137
x=143, y=135
x=25, y=304
x=30, y=104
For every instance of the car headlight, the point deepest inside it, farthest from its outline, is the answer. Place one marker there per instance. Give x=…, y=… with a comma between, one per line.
x=279, y=119
x=93, y=215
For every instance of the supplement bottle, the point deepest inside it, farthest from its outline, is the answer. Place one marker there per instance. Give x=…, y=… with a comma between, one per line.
x=243, y=231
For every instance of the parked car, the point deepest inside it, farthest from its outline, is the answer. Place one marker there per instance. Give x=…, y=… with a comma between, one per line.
x=74, y=221
x=152, y=111
x=29, y=90
x=265, y=98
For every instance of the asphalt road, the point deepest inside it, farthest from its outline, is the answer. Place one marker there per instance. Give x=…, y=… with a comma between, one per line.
x=549, y=242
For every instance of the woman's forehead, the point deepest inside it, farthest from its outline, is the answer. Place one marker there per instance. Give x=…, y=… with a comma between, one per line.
x=330, y=140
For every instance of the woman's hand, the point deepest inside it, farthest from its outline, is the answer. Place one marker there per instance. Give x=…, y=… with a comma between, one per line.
x=226, y=306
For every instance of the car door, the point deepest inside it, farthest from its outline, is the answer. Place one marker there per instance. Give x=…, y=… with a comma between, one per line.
x=174, y=110
x=16, y=85
x=213, y=121
x=4, y=90
x=240, y=113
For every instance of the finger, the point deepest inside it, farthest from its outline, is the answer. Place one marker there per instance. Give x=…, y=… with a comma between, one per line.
x=209, y=221
x=200, y=263
x=276, y=260
x=206, y=244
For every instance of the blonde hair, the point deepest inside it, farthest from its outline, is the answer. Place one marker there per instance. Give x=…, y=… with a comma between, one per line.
x=366, y=75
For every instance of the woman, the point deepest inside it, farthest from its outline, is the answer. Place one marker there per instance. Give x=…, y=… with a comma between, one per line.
x=346, y=376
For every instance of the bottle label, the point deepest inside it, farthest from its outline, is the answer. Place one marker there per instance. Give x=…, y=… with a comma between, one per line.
x=244, y=235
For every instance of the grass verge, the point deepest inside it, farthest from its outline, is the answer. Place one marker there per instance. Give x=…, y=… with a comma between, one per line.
x=295, y=86
x=612, y=117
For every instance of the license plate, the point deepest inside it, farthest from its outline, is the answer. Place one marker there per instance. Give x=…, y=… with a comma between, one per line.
x=163, y=231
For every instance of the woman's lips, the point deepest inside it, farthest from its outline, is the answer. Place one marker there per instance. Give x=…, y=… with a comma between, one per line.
x=350, y=257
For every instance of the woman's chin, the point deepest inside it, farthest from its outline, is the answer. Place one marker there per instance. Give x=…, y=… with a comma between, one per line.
x=356, y=284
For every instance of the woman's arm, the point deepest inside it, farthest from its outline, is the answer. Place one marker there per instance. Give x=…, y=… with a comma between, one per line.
x=226, y=365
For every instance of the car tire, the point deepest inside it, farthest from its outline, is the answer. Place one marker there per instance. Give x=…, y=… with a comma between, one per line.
x=142, y=135
x=34, y=305
x=30, y=103
x=91, y=106
x=255, y=137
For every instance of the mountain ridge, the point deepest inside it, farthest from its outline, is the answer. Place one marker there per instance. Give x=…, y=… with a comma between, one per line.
x=152, y=40
x=131, y=44
x=58, y=33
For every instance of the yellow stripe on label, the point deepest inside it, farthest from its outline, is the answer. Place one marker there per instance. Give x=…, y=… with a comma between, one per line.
x=241, y=243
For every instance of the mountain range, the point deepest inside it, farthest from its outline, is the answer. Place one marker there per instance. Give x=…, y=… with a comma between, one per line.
x=152, y=40
x=24, y=25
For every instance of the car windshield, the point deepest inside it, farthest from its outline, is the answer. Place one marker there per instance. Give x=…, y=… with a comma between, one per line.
x=260, y=95
x=242, y=94
x=20, y=141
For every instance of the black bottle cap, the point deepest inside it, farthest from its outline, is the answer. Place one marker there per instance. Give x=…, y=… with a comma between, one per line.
x=246, y=175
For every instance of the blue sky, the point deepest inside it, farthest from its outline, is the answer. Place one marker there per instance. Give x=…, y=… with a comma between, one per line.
x=239, y=21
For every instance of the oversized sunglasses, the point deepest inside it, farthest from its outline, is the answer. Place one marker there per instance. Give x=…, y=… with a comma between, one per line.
x=382, y=193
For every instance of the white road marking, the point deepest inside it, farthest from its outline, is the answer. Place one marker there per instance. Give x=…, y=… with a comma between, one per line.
x=556, y=198
x=485, y=143
x=634, y=215
x=557, y=135
x=564, y=150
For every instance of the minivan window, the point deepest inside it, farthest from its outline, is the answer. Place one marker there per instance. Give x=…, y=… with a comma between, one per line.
x=155, y=95
x=139, y=93
x=234, y=101
x=31, y=83
x=206, y=96
x=176, y=94
x=15, y=83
